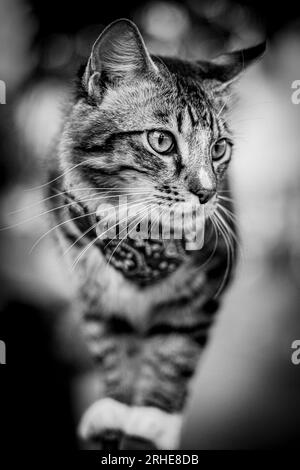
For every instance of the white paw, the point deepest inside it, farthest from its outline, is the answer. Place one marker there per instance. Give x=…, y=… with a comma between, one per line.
x=153, y=424
x=157, y=426
x=104, y=415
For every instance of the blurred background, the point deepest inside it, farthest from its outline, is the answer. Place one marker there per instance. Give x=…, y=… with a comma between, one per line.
x=247, y=391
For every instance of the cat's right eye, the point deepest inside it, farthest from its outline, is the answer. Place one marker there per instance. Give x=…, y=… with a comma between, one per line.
x=161, y=141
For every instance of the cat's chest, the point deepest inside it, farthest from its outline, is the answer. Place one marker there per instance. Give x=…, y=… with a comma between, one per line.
x=144, y=261
x=107, y=292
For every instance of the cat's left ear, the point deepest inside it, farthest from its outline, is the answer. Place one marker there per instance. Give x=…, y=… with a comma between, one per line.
x=229, y=66
x=118, y=54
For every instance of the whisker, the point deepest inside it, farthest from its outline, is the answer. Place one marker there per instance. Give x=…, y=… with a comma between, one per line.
x=228, y=258
x=55, y=179
x=225, y=198
x=156, y=220
x=220, y=191
x=79, y=189
x=232, y=233
x=57, y=208
x=230, y=248
x=227, y=226
x=215, y=246
x=61, y=175
x=86, y=248
x=84, y=215
x=228, y=213
x=126, y=217
x=94, y=225
x=55, y=227
x=143, y=212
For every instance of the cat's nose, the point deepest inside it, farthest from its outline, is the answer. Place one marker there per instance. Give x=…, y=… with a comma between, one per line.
x=205, y=195
x=202, y=184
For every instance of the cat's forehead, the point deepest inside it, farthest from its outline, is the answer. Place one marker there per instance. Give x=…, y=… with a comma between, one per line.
x=174, y=103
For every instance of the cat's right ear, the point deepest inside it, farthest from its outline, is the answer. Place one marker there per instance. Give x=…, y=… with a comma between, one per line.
x=118, y=54
x=226, y=68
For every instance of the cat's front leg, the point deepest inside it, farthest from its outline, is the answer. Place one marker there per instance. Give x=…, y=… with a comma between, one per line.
x=167, y=366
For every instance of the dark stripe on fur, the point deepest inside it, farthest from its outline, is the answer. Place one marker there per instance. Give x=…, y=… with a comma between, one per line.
x=179, y=121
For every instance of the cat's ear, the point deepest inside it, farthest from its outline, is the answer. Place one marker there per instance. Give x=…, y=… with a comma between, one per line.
x=119, y=53
x=227, y=67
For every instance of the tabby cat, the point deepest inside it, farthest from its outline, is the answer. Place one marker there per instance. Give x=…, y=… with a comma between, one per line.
x=154, y=130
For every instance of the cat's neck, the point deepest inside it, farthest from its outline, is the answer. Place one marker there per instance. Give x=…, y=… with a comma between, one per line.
x=143, y=261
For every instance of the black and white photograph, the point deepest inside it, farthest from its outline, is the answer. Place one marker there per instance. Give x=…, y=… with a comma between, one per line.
x=149, y=228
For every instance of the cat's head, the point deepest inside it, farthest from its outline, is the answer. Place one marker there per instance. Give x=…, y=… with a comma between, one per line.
x=152, y=128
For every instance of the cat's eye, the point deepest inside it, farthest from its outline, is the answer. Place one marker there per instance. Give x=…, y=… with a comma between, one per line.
x=219, y=149
x=161, y=141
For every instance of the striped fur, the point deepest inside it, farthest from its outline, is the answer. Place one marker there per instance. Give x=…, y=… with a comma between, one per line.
x=146, y=341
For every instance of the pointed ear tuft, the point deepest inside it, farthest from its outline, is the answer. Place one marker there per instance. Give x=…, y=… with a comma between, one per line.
x=119, y=54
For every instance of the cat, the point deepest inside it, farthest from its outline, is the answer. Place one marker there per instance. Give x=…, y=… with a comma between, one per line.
x=155, y=131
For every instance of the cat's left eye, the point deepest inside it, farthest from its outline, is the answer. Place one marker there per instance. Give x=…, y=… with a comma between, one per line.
x=219, y=149
x=161, y=141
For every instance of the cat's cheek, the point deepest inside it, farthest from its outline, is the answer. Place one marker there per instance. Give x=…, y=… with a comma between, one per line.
x=221, y=171
x=211, y=206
